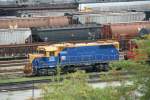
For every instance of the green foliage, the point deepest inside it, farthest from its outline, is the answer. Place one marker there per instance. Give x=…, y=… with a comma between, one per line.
x=144, y=46
x=140, y=78
x=127, y=65
x=76, y=88
x=146, y=90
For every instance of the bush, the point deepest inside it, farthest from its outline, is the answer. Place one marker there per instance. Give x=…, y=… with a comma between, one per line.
x=76, y=88
x=125, y=65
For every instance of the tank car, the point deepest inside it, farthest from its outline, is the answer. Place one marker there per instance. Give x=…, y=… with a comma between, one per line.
x=123, y=32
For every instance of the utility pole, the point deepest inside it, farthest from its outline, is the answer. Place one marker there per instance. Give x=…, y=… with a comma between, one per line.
x=33, y=90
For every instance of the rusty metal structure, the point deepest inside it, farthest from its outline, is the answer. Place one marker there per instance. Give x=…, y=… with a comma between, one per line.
x=129, y=29
x=123, y=32
x=18, y=22
x=21, y=50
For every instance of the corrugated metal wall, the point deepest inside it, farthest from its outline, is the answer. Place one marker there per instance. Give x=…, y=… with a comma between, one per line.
x=14, y=36
x=7, y=2
x=40, y=13
x=103, y=18
x=117, y=6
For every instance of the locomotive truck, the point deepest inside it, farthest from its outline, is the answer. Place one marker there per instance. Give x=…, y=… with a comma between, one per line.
x=72, y=56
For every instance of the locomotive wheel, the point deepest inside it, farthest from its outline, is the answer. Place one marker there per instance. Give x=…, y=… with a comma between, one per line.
x=67, y=69
x=51, y=72
x=105, y=67
x=41, y=72
x=34, y=72
x=97, y=68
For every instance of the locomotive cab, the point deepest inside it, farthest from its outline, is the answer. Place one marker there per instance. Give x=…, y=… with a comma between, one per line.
x=43, y=55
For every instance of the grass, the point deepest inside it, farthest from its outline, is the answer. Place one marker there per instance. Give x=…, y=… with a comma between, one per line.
x=103, y=76
x=22, y=79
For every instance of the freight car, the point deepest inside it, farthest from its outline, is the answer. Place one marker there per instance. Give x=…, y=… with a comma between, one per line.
x=15, y=36
x=72, y=56
x=16, y=22
x=70, y=33
x=109, y=17
x=39, y=13
x=123, y=32
x=142, y=5
x=129, y=29
x=144, y=31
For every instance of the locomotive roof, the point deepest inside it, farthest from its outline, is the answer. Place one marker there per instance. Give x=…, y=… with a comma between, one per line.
x=55, y=47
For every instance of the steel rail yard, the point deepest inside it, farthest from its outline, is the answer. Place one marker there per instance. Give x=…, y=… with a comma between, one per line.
x=12, y=67
x=54, y=41
x=9, y=63
x=34, y=81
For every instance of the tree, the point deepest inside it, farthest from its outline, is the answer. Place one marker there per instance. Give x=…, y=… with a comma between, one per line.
x=75, y=86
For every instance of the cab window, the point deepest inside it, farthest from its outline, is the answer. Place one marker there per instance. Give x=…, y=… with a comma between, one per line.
x=52, y=53
x=41, y=52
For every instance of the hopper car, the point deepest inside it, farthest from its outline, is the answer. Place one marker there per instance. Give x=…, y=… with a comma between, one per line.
x=121, y=32
x=69, y=33
x=72, y=56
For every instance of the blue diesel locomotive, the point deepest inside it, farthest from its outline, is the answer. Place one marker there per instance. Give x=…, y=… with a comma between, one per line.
x=73, y=56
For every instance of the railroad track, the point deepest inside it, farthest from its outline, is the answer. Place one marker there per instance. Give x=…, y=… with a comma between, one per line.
x=12, y=63
x=12, y=67
x=26, y=85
